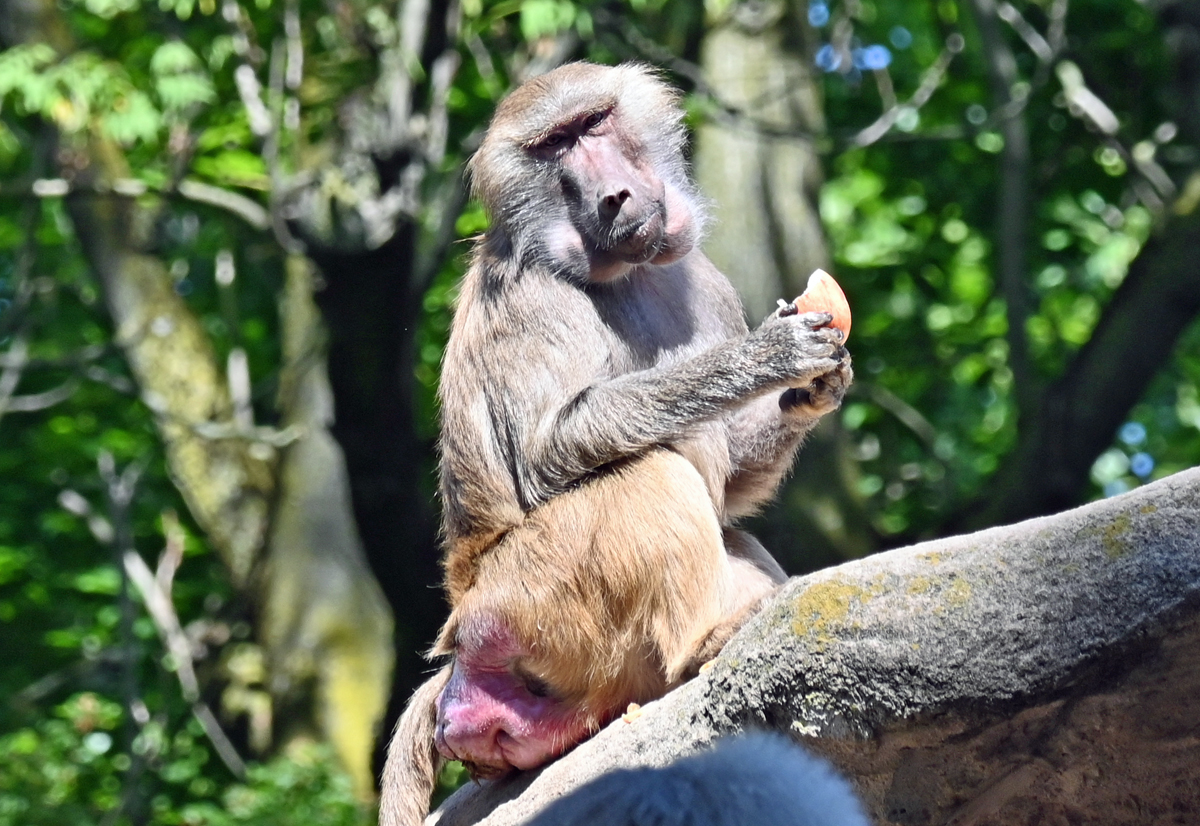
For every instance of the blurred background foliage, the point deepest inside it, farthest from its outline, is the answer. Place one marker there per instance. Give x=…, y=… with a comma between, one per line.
x=230, y=237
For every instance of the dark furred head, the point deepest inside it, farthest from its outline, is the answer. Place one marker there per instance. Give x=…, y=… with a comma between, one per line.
x=760, y=779
x=582, y=172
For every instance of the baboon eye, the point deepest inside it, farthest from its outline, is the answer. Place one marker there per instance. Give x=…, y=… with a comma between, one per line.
x=595, y=119
x=553, y=139
x=536, y=686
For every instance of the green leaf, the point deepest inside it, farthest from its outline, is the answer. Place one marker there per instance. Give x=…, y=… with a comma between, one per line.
x=133, y=118
x=542, y=18
x=181, y=91
x=12, y=563
x=20, y=64
x=102, y=580
x=174, y=57
x=236, y=167
x=87, y=78
x=109, y=9
x=225, y=136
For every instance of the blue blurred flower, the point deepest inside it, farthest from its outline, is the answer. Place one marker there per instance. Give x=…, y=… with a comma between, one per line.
x=1116, y=487
x=1132, y=433
x=872, y=57
x=900, y=37
x=828, y=58
x=818, y=13
x=1141, y=464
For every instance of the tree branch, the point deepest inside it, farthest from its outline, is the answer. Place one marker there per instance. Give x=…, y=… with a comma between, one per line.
x=1012, y=230
x=929, y=83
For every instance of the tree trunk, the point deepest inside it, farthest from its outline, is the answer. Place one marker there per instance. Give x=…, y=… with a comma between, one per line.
x=756, y=161
x=325, y=628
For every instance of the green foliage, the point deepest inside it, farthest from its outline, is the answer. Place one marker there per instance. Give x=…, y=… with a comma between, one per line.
x=80, y=92
x=911, y=221
x=179, y=78
x=61, y=626
x=108, y=9
x=540, y=18
x=69, y=768
x=453, y=776
x=233, y=167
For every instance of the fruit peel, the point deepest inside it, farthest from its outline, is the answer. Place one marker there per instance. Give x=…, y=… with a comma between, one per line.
x=824, y=295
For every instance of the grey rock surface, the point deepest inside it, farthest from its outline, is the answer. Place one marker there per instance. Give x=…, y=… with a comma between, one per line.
x=921, y=672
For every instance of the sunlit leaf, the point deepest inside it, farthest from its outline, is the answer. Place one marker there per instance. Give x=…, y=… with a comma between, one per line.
x=132, y=118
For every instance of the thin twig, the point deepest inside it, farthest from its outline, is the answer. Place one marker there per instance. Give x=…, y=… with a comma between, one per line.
x=245, y=208
x=653, y=50
x=929, y=83
x=904, y=412
x=887, y=89
x=441, y=78
x=118, y=490
x=250, y=91
x=274, y=135
x=15, y=361
x=259, y=434
x=190, y=189
x=405, y=66
x=80, y=363
x=155, y=590
x=13, y=318
x=294, y=73
x=1056, y=33
x=1032, y=37
x=103, y=660
x=32, y=402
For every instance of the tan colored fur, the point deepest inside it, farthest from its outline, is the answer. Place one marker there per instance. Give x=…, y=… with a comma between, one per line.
x=410, y=773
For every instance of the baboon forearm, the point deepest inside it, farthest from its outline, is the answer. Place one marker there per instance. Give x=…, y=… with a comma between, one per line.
x=625, y=416
x=764, y=436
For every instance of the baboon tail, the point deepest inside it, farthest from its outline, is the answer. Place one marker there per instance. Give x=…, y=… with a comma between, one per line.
x=412, y=765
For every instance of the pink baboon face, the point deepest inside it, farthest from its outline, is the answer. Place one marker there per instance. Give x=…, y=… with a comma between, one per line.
x=496, y=716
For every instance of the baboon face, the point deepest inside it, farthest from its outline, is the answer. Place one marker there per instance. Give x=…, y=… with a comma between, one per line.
x=574, y=173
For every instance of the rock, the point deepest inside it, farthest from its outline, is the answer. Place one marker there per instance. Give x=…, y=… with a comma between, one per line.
x=1043, y=672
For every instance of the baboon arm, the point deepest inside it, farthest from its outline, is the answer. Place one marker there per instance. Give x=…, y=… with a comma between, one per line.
x=410, y=773
x=549, y=411
x=763, y=439
x=765, y=433
x=624, y=416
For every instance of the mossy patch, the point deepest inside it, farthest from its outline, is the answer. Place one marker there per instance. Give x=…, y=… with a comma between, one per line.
x=919, y=585
x=1113, y=536
x=828, y=604
x=954, y=591
x=957, y=592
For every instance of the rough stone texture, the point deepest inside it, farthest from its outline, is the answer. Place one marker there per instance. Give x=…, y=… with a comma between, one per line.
x=1046, y=672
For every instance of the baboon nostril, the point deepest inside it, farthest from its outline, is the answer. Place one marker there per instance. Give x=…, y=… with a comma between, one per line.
x=610, y=205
